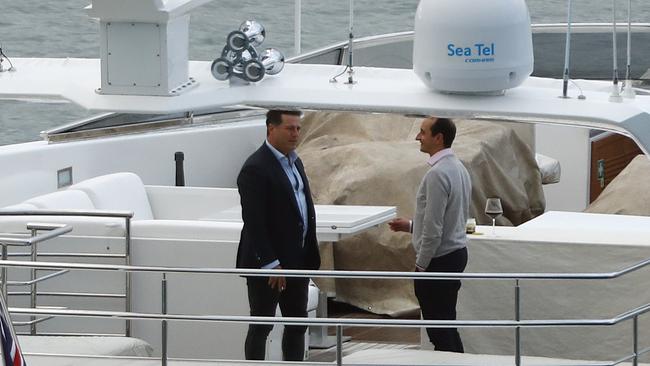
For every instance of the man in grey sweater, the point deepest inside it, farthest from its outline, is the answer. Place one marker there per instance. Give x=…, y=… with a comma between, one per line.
x=438, y=228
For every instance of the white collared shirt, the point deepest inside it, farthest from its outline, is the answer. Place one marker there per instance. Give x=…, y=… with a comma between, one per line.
x=433, y=159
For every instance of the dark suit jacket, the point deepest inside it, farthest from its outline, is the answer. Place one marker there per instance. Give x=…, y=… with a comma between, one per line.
x=273, y=227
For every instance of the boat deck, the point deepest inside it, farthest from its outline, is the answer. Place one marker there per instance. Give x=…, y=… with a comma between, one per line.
x=366, y=338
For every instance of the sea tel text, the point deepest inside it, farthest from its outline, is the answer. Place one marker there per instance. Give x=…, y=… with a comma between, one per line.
x=480, y=52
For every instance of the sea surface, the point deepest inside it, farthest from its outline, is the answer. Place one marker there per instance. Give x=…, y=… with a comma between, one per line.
x=60, y=28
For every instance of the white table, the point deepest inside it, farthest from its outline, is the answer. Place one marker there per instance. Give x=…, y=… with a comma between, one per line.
x=552, y=243
x=575, y=228
x=333, y=223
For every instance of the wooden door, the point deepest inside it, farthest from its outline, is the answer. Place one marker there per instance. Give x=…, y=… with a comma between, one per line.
x=610, y=154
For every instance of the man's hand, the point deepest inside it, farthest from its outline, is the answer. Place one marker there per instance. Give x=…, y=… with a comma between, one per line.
x=400, y=224
x=279, y=283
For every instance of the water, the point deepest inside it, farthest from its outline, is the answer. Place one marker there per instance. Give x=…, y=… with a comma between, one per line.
x=60, y=28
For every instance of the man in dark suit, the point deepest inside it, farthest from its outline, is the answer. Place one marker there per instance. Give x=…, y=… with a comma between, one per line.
x=279, y=232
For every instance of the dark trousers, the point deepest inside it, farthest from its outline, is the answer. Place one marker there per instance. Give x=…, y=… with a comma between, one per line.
x=438, y=298
x=263, y=301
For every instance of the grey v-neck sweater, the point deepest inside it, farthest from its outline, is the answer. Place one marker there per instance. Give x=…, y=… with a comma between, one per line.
x=441, y=210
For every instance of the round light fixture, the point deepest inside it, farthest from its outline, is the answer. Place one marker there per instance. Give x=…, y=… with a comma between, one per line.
x=240, y=59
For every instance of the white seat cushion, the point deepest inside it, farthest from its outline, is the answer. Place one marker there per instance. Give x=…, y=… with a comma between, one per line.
x=70, y=199
x=549, y=168
x=81, y=226
x=186, y=229
x=62, y=200
x=119, y=191
x=21, y=207
x=95, y=346
x=312, y=298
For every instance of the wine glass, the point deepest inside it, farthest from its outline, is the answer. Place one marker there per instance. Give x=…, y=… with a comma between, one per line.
x=493, y=209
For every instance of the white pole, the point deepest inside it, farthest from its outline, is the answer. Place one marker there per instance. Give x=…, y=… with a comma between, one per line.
x=615, y=96
x=351, y=15
x=351, y=80
x=297, y=28
x=614, y=43
x=567, y=53
x=629, y=39
x=628, y=91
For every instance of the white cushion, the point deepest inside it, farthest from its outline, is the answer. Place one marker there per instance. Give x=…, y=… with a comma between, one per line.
x=21, y=207
x=81, y=226
x=192, y=203
x=63, y=200
x=95, y=346
x=312, y=298
x=186, y=229
x=549, y=168
x=119, y=191
x=69, y=199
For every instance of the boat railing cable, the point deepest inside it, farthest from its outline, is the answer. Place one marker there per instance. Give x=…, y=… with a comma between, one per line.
x=615, y=96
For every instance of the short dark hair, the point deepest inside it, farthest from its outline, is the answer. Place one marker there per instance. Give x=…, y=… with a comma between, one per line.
x=274, y=117
x=446, y=127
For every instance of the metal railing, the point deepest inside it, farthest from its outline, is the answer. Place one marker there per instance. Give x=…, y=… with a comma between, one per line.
x=517, y=323
x=55, y=230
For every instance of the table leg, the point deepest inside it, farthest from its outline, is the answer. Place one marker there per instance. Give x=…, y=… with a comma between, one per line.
x=318, y=337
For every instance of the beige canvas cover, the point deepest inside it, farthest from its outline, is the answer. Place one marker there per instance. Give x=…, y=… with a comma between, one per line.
x=374, y=159
x=628, y=193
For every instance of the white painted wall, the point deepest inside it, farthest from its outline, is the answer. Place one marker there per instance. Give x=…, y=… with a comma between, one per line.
x=213, y=157
x=569, y=145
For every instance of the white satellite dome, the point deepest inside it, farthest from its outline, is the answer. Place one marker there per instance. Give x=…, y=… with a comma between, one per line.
x=469, y=46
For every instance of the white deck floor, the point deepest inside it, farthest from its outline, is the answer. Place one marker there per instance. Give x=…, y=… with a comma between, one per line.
x=365, y=357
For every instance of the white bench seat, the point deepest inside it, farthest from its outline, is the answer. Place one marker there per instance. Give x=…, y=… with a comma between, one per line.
x=91, y=346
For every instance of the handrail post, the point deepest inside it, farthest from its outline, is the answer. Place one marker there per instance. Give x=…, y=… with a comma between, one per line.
x=635, y=340
x=339, y=345
x=163, y=352
x=32, y=290
x=127, y=287
x=517, y=329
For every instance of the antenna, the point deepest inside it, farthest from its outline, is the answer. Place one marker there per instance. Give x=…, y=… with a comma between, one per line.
x=348, y=67
x=567, y=53
x=628, y=91
x=615, y=96
x=3, y=57
x=350, y=46
x=297, y=27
